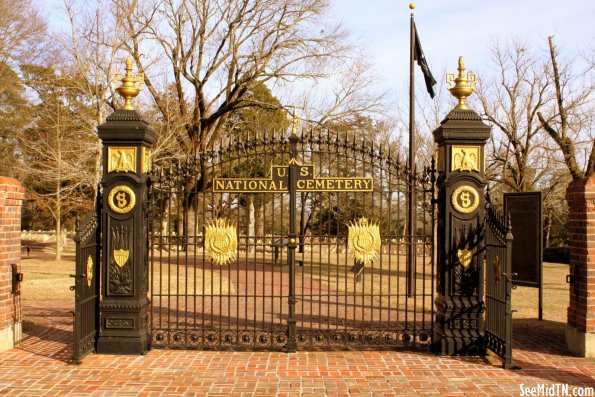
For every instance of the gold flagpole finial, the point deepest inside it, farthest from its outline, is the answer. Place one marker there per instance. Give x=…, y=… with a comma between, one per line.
x=295, y=121
x=411, y=6
x=462, y=86
x=131, y=84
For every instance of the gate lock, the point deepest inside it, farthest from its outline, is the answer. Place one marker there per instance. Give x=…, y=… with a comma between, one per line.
x=17, y=278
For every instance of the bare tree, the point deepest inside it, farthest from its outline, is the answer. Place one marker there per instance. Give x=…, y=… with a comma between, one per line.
x=571, y=119
x=520, y=156
x=55, y=147
x=21, y=32
x=92, y=46
x=350, y=92
x=217, y=50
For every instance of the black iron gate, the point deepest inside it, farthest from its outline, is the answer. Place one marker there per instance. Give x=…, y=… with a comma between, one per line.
x=498, y=316
x=86, y=285
x=284, y=288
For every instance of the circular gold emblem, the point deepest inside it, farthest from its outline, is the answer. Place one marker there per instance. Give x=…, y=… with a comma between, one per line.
x=121, y=199
x=465, y=199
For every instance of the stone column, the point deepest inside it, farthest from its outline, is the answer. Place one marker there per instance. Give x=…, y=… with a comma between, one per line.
x=580, y=330
x=127, y=140
x=11, y=198
x=461, y=138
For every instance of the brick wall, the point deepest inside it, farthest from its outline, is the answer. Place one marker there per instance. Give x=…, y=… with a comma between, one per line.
x=581, y=227
x=11, y=197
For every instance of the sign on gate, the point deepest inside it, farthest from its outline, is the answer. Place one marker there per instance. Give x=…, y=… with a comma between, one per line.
x=524, y=211
x=278, y=182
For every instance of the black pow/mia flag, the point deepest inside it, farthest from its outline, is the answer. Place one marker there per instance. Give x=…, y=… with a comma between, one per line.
x=418, y=55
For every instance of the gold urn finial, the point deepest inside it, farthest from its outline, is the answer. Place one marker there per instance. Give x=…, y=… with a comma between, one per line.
x=295, y=121
x=131, y=84
x=462, y=86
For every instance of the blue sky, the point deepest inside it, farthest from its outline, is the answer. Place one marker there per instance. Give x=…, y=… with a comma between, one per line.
x=448, y=29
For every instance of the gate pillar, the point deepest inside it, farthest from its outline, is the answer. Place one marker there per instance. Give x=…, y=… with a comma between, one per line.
x=126, y=139
x=461, y=138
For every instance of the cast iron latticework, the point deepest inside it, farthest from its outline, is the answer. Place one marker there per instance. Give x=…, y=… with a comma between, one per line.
x=278, y=294
x=498, y=251
x=86, y=285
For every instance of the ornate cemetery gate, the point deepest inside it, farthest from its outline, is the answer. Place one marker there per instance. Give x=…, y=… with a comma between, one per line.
x=294, y=242
x=293, y=280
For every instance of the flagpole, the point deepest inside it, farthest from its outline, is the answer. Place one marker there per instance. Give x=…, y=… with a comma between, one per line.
x=411, y=252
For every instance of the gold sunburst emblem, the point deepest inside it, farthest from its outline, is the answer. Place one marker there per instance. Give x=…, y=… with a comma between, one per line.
x=89, y=271
x=363, y=240
x=221, y=241
x=121, y=257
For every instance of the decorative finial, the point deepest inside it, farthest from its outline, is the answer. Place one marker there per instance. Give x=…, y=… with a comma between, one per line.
x=131, y=84
x=411, y=6
x=295, y=121
x=462, y=86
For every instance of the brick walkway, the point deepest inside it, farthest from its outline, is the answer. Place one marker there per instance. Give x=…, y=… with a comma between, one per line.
x=42, y=367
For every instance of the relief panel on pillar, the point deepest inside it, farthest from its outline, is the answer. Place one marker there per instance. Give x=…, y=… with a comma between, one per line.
x=120, y=277
x=465, y=255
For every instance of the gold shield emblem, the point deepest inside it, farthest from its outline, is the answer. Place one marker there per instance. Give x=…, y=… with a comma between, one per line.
x=363, y=240
x=89, y=271
x=221, y=241
x=121, y=257
x=465, y=257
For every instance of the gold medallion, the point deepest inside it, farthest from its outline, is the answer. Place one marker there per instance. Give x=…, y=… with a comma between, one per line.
x=121, y=257
x=221, y=241
x=121, y=199
x=465, y=257
x=363, y=240
x=465, y=199
x=89, y=271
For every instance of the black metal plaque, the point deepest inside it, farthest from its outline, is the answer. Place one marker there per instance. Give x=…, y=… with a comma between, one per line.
x=524, y=212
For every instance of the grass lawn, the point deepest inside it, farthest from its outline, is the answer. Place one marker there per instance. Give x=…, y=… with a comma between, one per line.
x=48, y=280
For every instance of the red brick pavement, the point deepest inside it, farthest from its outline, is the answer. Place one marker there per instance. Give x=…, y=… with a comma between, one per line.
x=41, y=367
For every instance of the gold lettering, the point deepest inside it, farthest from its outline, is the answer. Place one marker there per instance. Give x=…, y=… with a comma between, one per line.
x=263, y=185
x=219, y=184
x=229, y=185
x=330, y=184
x=281, y=187
x=122, y=201
x=281, y=171
x=252, y=185
x=303, y=171
x=301, y=184
x=349, y=184
x=358, y=184
x=310, y=184
x=368, y=184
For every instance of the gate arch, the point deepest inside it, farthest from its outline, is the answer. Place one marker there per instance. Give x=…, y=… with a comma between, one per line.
x=250, y=302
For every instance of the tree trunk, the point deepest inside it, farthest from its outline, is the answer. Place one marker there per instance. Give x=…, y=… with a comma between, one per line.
x=58, y=225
